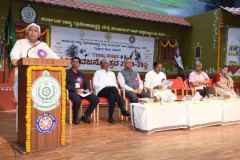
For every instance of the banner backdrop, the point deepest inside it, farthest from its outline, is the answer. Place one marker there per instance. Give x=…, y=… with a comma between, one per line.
x=233, y=51
x=92, y=46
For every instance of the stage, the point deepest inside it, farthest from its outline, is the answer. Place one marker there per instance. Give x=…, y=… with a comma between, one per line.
x=119, y=141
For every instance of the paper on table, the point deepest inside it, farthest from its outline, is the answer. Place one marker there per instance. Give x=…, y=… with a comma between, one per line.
x=166, y=84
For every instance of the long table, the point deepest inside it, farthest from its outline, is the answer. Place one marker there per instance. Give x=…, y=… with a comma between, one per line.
x=186, y=114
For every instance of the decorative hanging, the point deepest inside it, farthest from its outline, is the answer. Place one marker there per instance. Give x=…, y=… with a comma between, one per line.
x=169, y=43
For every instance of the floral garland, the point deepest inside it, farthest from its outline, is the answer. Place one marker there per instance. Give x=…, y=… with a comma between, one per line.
x=29, y=103
x=28, y=110
x=169, y=43
x=63, y=122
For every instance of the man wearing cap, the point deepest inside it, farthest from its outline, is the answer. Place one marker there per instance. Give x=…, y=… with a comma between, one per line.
x=199, y=80
x=29, y=47
x=105, y=85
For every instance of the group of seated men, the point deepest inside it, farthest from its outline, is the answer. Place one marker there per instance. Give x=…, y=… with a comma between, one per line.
x=106, y=84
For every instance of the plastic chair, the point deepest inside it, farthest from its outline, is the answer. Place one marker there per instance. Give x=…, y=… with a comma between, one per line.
x=210, y=83
x=178, y=85
x=188, y=88
x=103, y=101
x=84, y=104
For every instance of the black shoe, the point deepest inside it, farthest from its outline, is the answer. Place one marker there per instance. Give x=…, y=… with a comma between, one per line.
x=111, y=120
x=126, y=114
x=85, y=120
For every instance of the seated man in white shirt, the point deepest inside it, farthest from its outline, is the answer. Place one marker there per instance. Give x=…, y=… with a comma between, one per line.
x=199, y=80
x=130, y=80
x=154, y=84
x=105, y=85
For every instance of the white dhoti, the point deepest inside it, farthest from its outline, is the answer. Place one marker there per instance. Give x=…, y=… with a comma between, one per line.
x=166, y=95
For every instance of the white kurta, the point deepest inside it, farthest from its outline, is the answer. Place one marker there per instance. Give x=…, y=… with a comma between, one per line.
x=195, y=76
x=102, y=79
x=153, y=79
x=22, y=49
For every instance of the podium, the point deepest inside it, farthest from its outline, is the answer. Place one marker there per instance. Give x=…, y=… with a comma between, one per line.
x=41, y=104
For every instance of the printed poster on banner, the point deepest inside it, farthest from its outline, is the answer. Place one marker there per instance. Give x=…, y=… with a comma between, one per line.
x=233, y=51
x=92, y=46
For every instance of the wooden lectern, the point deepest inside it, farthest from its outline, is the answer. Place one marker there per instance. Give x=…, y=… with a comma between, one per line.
x=41, y=103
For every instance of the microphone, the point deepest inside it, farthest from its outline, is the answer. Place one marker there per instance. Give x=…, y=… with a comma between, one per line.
x=35, y=45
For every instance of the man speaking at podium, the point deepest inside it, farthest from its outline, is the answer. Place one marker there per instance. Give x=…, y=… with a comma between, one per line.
x=29, y=47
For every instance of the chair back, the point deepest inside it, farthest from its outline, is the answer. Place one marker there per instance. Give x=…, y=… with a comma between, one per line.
x=210, y=83
x=177, y=84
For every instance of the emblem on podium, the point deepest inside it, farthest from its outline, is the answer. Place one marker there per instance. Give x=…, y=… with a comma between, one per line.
x=45, y=123
x=46, y=92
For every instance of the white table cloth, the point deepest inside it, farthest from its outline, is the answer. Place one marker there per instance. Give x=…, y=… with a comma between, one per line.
x=157, y=117
x=204, y=113
x=231, y=111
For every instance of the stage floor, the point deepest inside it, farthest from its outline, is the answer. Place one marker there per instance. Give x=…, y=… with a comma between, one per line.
x=120, y=142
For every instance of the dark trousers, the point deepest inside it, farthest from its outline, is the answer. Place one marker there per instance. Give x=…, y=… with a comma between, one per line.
x=203, y=92
x=76, y=100
x=111, y=93
x=133, y=97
